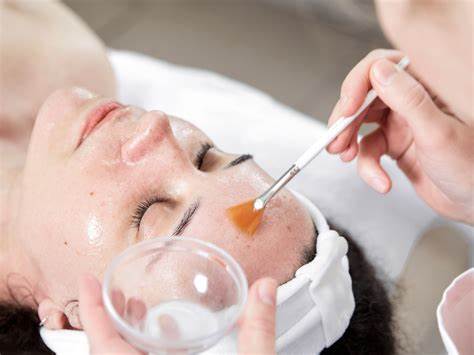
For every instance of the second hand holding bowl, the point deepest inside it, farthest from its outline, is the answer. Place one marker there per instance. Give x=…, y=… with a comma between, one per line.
x=171, y=294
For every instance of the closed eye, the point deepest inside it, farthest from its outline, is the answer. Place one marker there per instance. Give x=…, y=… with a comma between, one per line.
x=143, y=206
x=239, y=160
x=201, y=155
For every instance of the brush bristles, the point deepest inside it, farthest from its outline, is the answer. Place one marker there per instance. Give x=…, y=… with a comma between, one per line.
x=246, y=217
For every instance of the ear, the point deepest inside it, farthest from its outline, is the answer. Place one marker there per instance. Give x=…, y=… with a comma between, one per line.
x=50, y=315
x=71, y=310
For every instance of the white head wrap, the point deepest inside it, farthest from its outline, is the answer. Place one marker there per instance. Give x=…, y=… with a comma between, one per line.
x=315, y=308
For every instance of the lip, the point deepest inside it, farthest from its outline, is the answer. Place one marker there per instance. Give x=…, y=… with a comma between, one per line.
x=98, y=114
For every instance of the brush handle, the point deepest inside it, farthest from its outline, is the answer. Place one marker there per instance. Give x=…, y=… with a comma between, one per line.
x=263, y=199
x=339, y=126
x=313, y=151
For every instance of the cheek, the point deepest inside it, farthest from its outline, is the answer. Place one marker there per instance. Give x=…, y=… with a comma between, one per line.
x=56, y=117
x=65, y=258
x=64, y=263
x=275, y=250
x=272, y=254
x=69, y=240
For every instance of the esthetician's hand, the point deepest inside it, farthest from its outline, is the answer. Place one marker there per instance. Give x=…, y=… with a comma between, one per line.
x=432, y=147
x=257, y=325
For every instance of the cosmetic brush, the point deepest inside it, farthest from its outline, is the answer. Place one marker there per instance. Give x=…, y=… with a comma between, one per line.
x=248, y=215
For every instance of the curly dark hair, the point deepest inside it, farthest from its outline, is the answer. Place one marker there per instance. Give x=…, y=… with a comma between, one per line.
x=19, y=331
x=371, y=330
x=372, y=326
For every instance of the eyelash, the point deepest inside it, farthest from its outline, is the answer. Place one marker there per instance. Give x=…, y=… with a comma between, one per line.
x=142, y=207
x=202, y=154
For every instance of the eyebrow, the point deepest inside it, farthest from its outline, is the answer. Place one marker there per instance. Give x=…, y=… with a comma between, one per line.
x=238, y=160
x=186, y=219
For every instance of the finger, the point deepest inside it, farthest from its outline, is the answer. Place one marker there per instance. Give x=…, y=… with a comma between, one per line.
x=373, y=115
x=135, y=310
x=169, y=327
x=51, y=316
x=351, y=152
x=344, y=139
x=353, y=92
x=257, y=330
x=427, y=189
x=406, y=96
x=357, y=82
x=372, y=147
x=378, y=104
x=97, y=325
x=118, y=301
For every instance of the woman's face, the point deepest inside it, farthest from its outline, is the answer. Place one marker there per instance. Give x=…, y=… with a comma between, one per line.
x=100, y=177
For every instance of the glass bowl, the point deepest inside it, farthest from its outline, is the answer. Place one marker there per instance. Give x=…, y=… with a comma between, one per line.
x=174, y=294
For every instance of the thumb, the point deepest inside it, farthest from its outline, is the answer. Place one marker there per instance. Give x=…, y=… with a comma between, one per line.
x=102, y=336
x=257, y=328
x=406, y=96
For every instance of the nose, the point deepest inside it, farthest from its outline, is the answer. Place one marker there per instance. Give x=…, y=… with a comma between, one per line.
x=152, y=131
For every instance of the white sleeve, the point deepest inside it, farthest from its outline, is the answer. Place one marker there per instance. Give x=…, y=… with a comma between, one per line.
x=455, y=314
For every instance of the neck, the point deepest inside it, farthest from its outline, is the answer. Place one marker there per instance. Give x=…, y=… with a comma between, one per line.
x=14, y=285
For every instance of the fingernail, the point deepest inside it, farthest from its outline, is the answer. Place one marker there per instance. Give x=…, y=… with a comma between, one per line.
x=344, y=155
x=384, y=72
x=267, y=291
x=378, y=184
